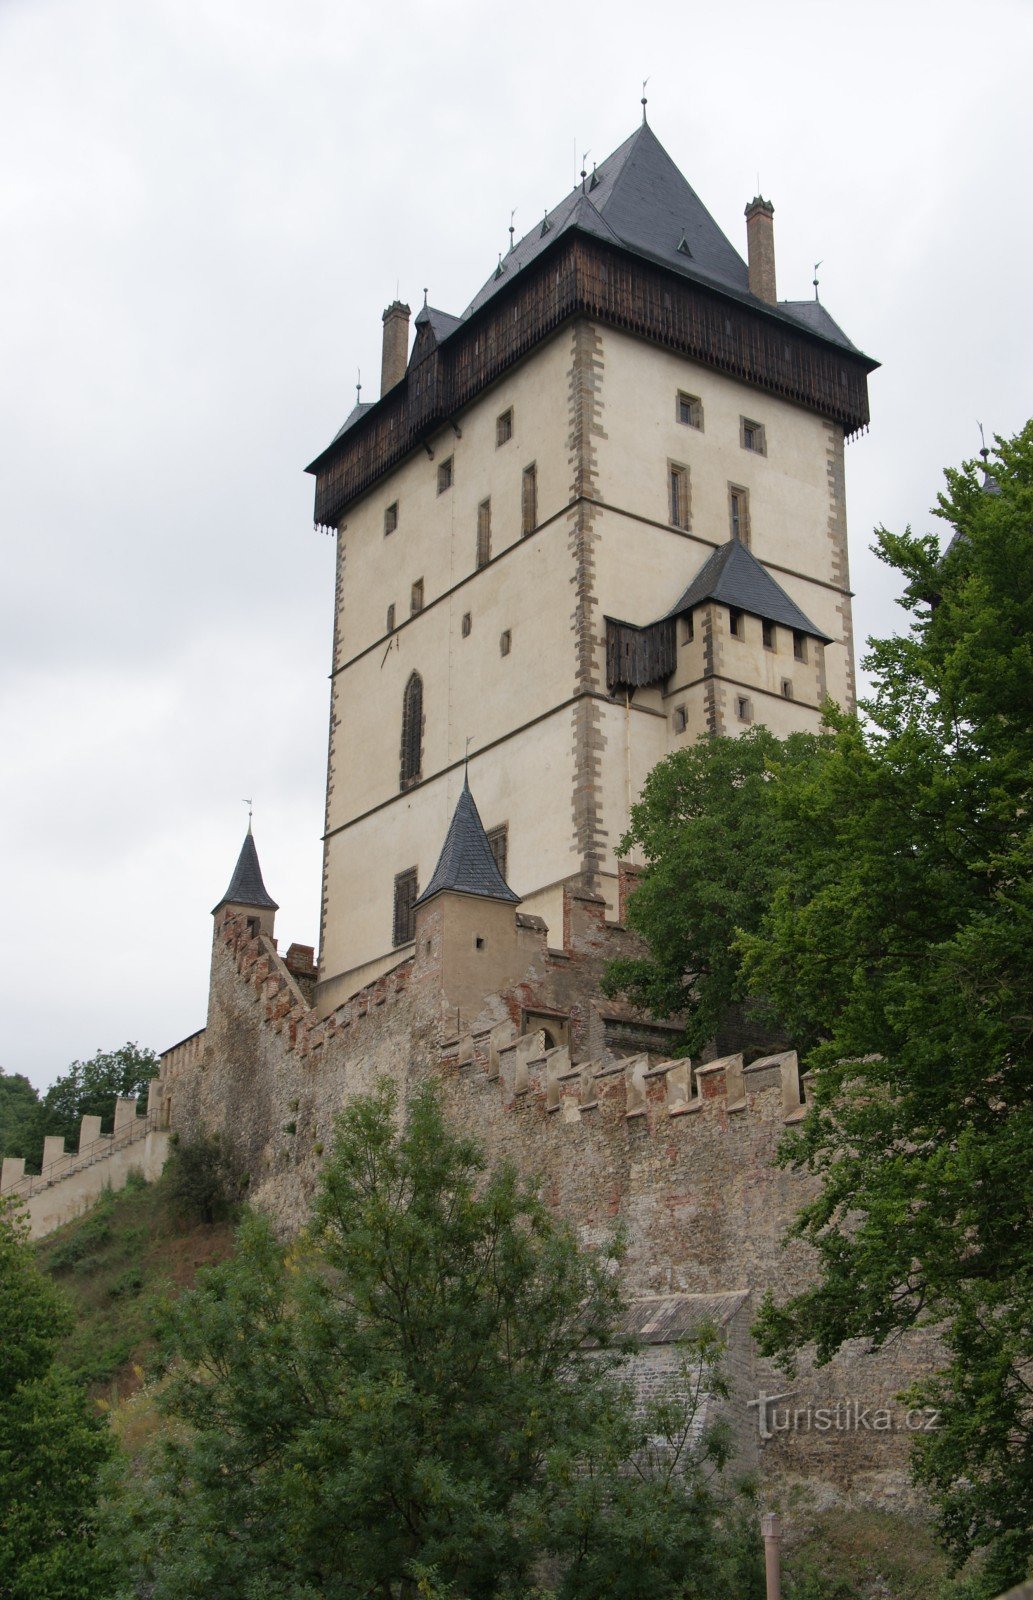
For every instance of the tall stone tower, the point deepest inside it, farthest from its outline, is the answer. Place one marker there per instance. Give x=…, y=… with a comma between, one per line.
x=594, y=517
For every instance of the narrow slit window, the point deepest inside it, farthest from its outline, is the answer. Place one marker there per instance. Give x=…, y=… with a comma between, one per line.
x=505, y=642
x=504, y=427
x=404, y=921
x=416, y=598
x=483, y=533
x=678, y=495
x=445, y=475
x=739, y=513
x=467, y=624
x=412, y=732
x=689, y=410
x=800, y=646
x=391, y=517
x=391, y=617
x=736, y=624
x=787, y=688
x=529, y=500
x=680, y=720
x=768, y=632
x=498, y=844
x=688, y=628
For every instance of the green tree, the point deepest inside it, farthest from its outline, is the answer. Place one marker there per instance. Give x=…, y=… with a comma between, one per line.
x=51, y=1446
x=893, y=945
x=21, y=1118
x=90, y=1088
x=421, y=1396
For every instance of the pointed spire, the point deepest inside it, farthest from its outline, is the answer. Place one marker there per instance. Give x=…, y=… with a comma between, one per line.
x=246, y=886
x=466, y=864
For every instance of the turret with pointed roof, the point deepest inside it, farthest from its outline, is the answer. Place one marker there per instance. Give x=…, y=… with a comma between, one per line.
x=247, y=890
x=466, y=864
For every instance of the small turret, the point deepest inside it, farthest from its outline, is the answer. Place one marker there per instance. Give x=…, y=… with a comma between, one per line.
x=247, y=893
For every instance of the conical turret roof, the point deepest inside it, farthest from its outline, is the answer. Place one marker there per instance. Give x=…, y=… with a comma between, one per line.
x=246, y=886
x=466, y=864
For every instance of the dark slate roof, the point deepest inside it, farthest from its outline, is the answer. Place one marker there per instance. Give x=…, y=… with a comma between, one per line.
x=734, y=576
x=352, y=418
x=814, y=316
x=246, y=886
x=639, y=199
x=466, y=864
x=441, y=323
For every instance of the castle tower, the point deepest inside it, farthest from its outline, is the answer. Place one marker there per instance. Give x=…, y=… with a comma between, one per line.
x=247, y=893
x=596, y=516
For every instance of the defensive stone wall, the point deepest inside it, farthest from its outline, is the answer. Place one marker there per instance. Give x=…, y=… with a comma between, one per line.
x=70, y=1181
x=678, y=1157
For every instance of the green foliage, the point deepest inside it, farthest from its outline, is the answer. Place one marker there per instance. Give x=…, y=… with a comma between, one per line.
x=21, y=1119
x=200, y=1182
x=90, y=1088
x=893, y=943
x=715, y=850
x=420, y=1397
x=51, y=1447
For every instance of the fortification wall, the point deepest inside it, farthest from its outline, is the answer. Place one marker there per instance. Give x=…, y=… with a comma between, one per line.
x=681, y=1159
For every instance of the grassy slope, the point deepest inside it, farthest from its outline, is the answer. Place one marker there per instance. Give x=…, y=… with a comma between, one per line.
x=114, y=1262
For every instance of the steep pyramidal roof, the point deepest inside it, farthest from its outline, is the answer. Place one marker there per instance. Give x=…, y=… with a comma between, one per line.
x=733, y=576
x=246, y=886
x=466, y=864
x=639, y=199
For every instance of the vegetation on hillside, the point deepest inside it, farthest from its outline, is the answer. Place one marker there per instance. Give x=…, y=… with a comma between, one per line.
x=873, y=884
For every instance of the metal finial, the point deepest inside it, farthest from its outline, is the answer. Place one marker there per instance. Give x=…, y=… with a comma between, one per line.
x=814, y=280
x=358, y=386
x=584, y=168
x=645, y=102
x=425, y=299
x=512, y=230
x=249, y=805
x=466, y=761
x=984, y=452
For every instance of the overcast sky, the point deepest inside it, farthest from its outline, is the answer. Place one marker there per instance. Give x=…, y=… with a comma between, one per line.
x=206, y=204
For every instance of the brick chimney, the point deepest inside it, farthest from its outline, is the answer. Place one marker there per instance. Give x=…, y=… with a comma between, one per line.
x=760, y=249
x=396, y=345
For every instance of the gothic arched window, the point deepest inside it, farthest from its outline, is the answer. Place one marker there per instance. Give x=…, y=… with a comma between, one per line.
x=412, y=732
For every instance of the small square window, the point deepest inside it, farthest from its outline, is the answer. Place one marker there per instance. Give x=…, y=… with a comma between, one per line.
x=768, y=633
x=504, y=427
x=466, y=625
x=736, y=623
x=478, y=942
x=529, y=500
x=391, y=517
x=445, y=475
x=680, y=720
x=751, y=436
x=743, y=708
x=688, y=628
x=689, y=410
x=739, y=513
x=416, y=598
x=505, y=642
x=800, y=646
x=787, y=688
x=678, y=494
x=391, y=617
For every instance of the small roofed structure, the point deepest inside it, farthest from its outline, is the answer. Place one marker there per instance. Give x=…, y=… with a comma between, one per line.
x=466, y=864
x=733, y=576
x=247, y=890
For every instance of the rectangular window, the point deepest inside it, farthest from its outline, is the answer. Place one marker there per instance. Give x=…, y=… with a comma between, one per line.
x=391, y=617
x=391, y=517
x=751, y=436
x=404, y=928
x=678, y=492
x=505, y=642
x=445, y=476
x=483, y=533
x=800, y=646
x=680, y=720
x=743, y=708
x=739, y=513
x=529, y=500
x=689, y=410
x=736, y=625
x=466, y=625
x=416, y=598
x=688, y=628
x=504, y=427
x=498, y=844
x=787, y=688
x=768, y=631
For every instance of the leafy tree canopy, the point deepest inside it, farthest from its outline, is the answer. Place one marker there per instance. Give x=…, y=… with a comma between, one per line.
x=421, y=1396
x=90, y=1088
x=21, y=1117
x=51, y=1446
x=891, y=935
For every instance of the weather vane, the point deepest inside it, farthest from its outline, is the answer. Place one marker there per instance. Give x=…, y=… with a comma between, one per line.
x=645, y=102
x=512, y=230
x=248, y=803
x=814, y=280
x=358, y=389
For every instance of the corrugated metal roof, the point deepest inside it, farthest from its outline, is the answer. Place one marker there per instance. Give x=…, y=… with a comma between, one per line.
x=733, y=576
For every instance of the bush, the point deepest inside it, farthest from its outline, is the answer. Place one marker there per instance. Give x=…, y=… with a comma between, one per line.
x=201, y=1183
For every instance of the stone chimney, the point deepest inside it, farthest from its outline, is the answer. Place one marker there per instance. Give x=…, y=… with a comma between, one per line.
x=396, y=345
x=760, y=248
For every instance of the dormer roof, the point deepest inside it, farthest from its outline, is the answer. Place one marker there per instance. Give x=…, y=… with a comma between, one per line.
x=733, y=576
x=246, y=886
x=466, y=864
